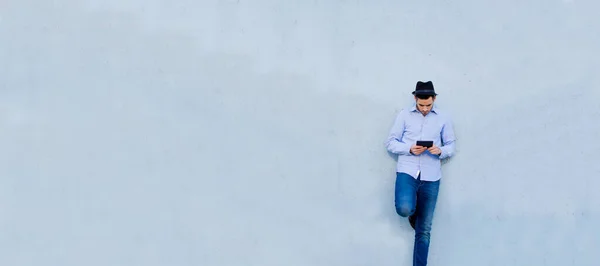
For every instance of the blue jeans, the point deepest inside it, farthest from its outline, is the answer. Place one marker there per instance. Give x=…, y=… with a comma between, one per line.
x=418, y=198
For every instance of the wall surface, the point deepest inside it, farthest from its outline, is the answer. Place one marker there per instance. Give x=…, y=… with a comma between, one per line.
x=251, y=132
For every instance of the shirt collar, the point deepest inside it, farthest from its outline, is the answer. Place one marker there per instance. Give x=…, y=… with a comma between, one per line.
x=434, y=109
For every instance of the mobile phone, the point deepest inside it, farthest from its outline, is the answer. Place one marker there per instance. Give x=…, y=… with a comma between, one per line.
x=425, y=143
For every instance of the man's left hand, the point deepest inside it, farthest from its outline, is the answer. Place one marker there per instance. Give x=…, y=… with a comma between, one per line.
x=435, y=150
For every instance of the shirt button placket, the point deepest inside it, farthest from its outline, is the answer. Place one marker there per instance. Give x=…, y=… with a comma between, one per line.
x=421, y=138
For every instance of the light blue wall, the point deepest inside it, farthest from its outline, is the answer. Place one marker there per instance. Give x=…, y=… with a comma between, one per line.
x=251, y=132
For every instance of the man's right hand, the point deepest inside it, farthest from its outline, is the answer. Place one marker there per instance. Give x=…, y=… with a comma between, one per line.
x=417, y=150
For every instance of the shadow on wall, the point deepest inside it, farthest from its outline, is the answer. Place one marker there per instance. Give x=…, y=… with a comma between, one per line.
x=520, y=182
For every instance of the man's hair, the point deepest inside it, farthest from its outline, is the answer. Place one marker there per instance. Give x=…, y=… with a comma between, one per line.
x=425, y=97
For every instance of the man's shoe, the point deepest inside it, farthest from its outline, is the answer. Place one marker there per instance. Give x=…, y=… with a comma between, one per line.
x=411, y=220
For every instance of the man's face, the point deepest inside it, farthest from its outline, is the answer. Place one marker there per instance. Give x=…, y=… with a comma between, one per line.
x=424, y=106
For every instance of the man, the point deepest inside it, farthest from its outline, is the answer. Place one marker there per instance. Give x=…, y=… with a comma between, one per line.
x=418, y=171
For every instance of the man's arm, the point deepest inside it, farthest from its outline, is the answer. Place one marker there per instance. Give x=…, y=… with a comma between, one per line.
x=448, y=140
x=394, y=142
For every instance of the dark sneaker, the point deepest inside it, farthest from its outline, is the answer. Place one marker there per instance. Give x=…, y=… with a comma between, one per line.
x=411, y=220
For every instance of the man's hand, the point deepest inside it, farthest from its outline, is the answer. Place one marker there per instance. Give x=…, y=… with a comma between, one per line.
x=435, y=150
x=417, y=150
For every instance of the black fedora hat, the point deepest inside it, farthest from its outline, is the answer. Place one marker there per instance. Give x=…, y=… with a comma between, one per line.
x=424, y=88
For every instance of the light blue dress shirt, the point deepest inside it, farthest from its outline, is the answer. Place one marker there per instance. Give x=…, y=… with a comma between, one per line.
x=410, y=125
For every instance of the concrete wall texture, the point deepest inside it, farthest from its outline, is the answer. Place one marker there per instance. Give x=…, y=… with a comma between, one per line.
x=251, y=132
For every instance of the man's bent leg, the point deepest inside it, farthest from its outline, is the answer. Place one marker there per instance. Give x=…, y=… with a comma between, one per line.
x=405, y=194
x=427, y=195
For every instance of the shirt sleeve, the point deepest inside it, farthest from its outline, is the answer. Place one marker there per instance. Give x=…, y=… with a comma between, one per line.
x=448, y=140
x=394, y=143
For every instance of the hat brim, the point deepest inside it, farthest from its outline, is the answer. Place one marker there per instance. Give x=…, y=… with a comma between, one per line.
x=424, y=92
